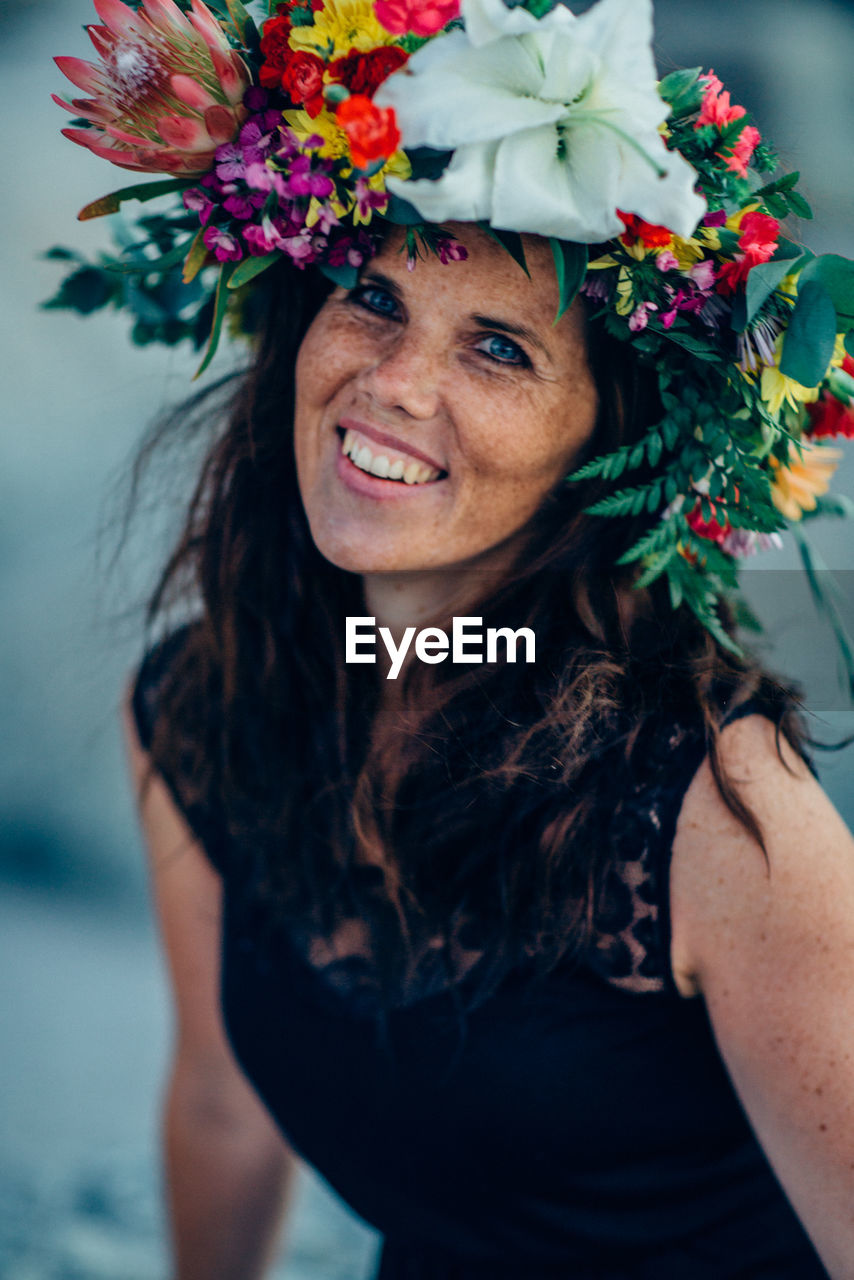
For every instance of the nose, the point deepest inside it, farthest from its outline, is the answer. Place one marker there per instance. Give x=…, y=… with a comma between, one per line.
x=407, y=376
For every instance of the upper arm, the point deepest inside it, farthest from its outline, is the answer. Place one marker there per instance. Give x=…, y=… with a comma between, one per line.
x=187, y=894
x=770, y=945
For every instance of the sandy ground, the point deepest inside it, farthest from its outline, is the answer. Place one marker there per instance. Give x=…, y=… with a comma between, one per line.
x=84, y=1027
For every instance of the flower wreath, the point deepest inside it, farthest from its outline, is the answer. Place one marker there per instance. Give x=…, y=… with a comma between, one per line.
x=301, y=133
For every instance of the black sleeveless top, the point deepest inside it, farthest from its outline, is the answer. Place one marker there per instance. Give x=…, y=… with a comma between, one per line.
x=578, y=1128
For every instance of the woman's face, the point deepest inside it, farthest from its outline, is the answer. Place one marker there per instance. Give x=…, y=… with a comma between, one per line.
x=437, y=408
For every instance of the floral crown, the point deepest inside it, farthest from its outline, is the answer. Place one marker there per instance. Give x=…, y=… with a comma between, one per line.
x=304, y=132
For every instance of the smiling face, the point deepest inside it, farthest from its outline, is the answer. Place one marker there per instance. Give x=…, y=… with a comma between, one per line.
x=437, y=408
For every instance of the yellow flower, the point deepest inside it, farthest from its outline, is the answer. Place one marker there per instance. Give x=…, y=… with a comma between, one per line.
x=339, y=27
x=777, y=389
x=625, y=293
x=807, y=474
x=324, y=125
x=689, y=252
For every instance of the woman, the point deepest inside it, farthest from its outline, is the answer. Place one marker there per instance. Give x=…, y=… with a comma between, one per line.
x=544, y=965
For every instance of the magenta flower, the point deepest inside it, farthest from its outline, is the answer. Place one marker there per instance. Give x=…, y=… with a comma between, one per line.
x=422, y=17
x=224, y=246
x=167, y=92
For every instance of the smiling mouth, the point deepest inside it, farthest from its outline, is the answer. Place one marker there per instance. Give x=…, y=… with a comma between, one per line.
x=386, y=464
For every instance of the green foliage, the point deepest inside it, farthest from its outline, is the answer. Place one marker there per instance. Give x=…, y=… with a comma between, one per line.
x=143, y=277
x=571, y=266
x=781, y=199
x=682, y=91
x=811, y=336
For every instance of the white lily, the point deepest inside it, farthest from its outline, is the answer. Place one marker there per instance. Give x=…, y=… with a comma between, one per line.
x=554, y=123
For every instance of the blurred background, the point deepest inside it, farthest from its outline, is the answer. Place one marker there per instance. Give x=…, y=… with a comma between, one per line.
x=84, y=1017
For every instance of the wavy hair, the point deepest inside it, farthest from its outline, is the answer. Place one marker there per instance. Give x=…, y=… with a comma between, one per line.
x=485, y=790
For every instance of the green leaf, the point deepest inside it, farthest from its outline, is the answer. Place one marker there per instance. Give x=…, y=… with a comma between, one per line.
x=511, y=241
x=220, y=306
x=196, y=257
x=141, y=191
x=810, y=337
x=571, y=266
x=249, y=268
x=681, y=89
x=788, y=250
x=402, y=213
x=799, y=205
x=345, y=276
x=59, y=254
x=762, y=282
x=86, y=290
x=849, y=342
x=776, y=205
x=150, y=266
x=836, y=274
x=240, y=17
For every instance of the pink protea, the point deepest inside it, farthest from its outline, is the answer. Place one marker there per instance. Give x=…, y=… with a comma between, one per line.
x=167, y=92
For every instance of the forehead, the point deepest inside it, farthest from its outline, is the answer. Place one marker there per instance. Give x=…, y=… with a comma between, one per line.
x=488, y=281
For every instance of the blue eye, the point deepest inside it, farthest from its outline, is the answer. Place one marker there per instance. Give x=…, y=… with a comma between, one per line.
x=503, y=350
x=374, y=298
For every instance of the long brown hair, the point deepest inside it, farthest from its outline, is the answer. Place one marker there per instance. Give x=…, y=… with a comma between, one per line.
x=478, y=786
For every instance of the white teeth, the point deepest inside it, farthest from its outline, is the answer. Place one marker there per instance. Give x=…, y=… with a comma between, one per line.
x=361, y=456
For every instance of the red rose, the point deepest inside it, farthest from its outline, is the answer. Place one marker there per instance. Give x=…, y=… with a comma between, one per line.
x=365, y=72
x=302, y=80
x=276, y=50
x=371, y=131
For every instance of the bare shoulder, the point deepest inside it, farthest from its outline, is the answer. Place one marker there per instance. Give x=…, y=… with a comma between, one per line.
x=769, y=945
x=722, y=886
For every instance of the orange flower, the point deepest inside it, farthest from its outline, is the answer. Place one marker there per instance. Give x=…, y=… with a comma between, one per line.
x=372, y=131
x=650, y=235
x=799, y=482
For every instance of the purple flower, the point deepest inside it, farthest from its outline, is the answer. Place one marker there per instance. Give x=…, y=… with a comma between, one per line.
x=450, y=250
x=198, y=201
x=243, y=207
x=715, y=219
x=597, y=286
x=255, y=99
x=225, y=246
x=639, y=318
x=229, y=162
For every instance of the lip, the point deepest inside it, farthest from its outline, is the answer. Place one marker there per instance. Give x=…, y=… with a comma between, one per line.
x=390, y=441
x=368, y=486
